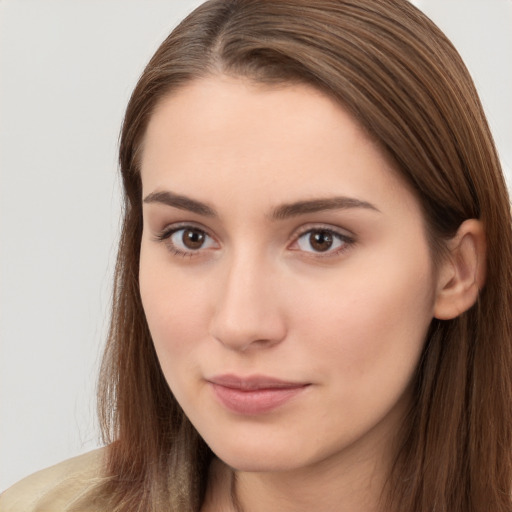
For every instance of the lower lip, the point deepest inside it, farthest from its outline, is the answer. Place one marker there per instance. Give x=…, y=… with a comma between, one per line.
x=256, y=401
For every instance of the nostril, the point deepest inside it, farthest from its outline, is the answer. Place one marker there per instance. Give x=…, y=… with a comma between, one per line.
x=239, y=330
x=247, y=312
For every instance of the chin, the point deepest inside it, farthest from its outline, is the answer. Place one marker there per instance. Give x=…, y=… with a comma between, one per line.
x=260, y=457
x=252, y=463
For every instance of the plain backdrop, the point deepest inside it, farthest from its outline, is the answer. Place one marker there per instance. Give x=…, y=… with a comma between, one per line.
x=67, y=68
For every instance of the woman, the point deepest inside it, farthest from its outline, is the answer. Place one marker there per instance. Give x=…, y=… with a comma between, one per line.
x=312, y=295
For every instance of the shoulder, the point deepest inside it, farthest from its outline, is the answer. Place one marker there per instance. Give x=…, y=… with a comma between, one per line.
x=58, y=488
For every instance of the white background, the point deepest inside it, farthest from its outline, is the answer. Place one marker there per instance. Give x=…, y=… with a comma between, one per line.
x=67, y=68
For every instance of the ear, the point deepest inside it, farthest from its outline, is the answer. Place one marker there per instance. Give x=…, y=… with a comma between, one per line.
x=461, y=275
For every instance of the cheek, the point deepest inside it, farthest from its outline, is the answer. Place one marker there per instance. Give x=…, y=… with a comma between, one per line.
x=176, y=311
x=371, y=321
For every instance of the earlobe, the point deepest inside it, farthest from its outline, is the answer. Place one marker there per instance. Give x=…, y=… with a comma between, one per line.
x=462, y=273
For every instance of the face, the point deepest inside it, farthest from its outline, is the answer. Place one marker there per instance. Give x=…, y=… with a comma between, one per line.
x=285, y=273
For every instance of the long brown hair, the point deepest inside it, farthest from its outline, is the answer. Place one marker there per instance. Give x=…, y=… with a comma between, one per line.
x=401, y=78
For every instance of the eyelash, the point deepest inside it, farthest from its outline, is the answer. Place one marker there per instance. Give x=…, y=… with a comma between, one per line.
x=346, y=240
x=166, y=234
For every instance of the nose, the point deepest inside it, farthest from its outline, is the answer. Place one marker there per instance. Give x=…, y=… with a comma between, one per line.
x=248, y=313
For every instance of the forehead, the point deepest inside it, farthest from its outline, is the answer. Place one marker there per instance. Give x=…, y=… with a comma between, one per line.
x=223, y=134
x=247, y=113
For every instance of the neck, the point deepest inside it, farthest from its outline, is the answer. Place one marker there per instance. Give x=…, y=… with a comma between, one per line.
x=327, y=486
x=353, y=483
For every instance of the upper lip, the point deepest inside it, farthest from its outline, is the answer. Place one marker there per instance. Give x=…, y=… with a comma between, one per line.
x=253, y=382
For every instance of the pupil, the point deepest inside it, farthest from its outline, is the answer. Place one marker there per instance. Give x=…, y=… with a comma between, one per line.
x=193, y=238
x=321, y=240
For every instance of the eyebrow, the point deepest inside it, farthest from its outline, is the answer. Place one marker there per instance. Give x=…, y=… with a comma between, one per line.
x=281, y=212
x=181, y=202
x=286, y=211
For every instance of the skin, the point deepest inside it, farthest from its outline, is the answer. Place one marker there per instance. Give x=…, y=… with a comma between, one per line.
x=257, y=298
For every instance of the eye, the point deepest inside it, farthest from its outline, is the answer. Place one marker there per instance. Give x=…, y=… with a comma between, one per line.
x=187, y=240
x=322, y=240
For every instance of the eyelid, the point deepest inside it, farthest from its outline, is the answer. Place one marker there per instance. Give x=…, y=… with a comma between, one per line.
x=164, y=236
x=169, y=229
x=342, y=234
x=314, y=226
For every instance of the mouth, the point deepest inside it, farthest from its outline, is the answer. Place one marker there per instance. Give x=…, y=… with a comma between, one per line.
x=254, y=395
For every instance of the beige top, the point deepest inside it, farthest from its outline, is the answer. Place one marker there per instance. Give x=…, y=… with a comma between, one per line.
x=60, y=488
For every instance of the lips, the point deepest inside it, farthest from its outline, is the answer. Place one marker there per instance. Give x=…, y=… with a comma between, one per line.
x=255, y=394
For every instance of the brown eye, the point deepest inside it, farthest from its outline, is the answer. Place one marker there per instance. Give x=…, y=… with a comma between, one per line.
x=193, y=238
x=188, y=240
x=321, y=240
